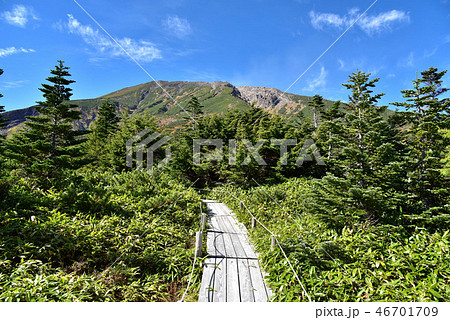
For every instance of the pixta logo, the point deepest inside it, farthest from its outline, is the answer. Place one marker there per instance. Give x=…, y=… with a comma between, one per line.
x=141, y=144
x=144, y=147
x=253, y=151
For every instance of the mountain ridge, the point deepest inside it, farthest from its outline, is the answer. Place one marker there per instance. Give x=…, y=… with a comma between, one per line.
x=167, y=99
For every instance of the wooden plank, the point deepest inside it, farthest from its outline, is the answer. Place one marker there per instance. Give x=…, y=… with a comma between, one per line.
x=225, y=224
x=247, y=246
x=240, y=252
x=220, y=280
x=231, y=272
x=259, y=287
x=232, y=277
x=245, y=284
x=208, y=201
x=229, y=248
x=213, y=224
x=240, y=239
x=225, y=209
x=210, y=247
x=241, y=247
x=233, y=294
x=216, y=208
x=230, y=224
x=207, y=285
x=219, y=244
x=233, y=224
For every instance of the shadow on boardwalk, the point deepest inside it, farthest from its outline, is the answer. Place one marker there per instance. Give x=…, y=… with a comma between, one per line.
x=231, y=272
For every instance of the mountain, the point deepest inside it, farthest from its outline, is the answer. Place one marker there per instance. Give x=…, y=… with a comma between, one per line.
x=166, y=101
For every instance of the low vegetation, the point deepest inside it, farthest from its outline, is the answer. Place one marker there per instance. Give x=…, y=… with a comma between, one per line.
x=362, y=212
x=358, y=261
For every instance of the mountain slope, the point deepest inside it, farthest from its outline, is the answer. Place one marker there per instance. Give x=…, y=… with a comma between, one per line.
x=168, y=99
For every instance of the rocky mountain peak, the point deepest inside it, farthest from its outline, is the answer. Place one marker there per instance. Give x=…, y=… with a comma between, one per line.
x=265, y=98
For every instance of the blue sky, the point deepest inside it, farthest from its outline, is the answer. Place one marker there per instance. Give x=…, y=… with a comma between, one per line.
x=248, y=42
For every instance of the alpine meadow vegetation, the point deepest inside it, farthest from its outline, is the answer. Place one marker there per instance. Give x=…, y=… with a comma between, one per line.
x=368, y=222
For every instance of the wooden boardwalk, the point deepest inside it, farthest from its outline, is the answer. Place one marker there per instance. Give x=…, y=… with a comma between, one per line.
x=231, y=272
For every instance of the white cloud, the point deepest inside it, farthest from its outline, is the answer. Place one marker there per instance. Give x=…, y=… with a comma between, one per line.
x=13, y=50
x=319, y=20
x=14, y=84
x=319, y=82
x=368, y=23
x=383, y=21
x=143, y=51
x=19, y=15
x=178, y=26
x=341, y=64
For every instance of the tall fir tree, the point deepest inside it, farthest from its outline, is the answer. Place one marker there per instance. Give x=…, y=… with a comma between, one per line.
x=107, y=119
x=101, y=129
x=49, y=144
x=194, y=110
x=333, y=112
x=446, y=160
x=3, y=122
x=317, y=105
x=427, y=115
x=367, y=158
x=330, y=134
x=362, y=114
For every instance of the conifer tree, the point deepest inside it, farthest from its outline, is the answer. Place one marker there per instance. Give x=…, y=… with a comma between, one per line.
x=334, y=112
x=101, y=129
x=446, y=160
x=49, y=144
x=107, y=119
x=112, y=154
x=365, y=152
x=194, y=109
x=318, y=107
x=362, y=114
x=3, y=122
x=428, y=117
x=330, y=137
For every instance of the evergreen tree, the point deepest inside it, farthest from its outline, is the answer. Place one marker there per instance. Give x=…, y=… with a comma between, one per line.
x=330, y=135
x=49, y=144
x=362, y=114
x=101, y=129
x=330, y=132
x=366, y=155
x=112, y=151
x=318, y=107
x=446, y=160
x=334, y=112
x=194, y=110
x=3, y=122
x=107, y=119
x=427, y=115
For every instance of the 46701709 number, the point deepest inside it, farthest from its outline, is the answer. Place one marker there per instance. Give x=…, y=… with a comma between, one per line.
x=408, y=311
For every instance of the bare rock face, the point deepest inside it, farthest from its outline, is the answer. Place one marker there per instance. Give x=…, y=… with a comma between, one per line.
x=265, y=98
